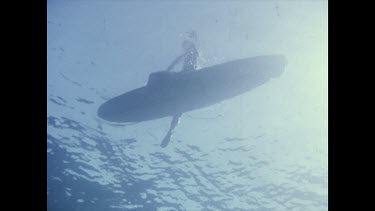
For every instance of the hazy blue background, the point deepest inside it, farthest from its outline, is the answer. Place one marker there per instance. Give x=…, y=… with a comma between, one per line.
x=263, y=150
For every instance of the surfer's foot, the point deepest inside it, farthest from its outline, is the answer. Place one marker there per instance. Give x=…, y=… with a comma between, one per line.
x=166, y=140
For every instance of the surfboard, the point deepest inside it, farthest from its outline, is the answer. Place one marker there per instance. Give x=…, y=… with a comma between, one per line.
x=173, y=93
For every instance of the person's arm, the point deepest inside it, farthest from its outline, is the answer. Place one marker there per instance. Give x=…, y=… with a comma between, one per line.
x=176, y=61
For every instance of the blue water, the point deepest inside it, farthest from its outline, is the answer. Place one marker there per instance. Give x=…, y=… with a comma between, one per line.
x=263, y=150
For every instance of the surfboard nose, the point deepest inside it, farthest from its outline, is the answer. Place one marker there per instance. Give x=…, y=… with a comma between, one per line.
x=106, y=112
x=102, y=112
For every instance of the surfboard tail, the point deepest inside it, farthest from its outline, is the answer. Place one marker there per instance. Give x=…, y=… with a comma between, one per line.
x=279, y=63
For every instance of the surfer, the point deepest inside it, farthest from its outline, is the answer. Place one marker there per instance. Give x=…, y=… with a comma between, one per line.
x=190, y=64
x=189, y=56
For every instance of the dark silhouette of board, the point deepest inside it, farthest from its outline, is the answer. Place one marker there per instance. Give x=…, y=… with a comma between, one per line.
x=171, y=93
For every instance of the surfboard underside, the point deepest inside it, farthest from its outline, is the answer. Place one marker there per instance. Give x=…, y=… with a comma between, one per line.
x=168, y=94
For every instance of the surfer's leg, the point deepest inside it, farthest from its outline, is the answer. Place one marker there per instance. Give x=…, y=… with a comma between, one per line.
x=174, y=124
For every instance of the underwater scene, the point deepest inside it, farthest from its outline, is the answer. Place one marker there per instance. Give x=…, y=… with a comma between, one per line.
x=187, y=105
